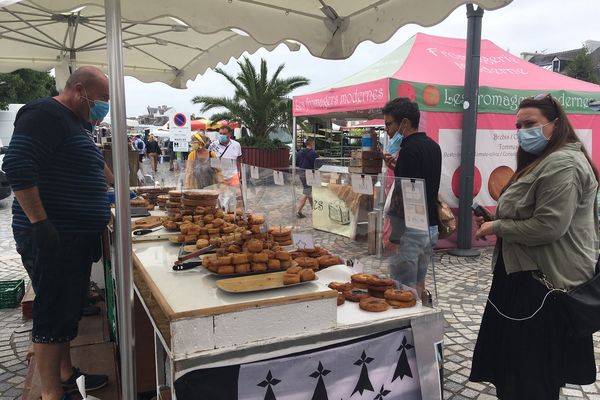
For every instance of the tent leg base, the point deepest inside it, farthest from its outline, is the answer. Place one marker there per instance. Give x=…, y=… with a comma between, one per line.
x=464, y=252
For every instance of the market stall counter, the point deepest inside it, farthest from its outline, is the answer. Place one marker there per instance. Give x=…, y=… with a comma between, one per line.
x=200, y=328
x=218, y=337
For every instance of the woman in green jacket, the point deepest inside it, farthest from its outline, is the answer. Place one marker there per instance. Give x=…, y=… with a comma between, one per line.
x=547, y=231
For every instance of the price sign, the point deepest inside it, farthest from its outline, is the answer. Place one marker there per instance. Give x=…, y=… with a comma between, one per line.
x=303, y=241
x=313, y=178
x=415, y=203
x=278, y=178
x=362, y=184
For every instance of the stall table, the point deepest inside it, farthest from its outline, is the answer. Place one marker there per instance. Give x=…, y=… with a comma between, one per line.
x=198, y=327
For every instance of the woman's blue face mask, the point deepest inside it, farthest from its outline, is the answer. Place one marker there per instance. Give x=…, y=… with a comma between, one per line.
x=532, y=140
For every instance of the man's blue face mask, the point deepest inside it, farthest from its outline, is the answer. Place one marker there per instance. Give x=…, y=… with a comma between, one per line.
x=98, y=108
x=394, y=144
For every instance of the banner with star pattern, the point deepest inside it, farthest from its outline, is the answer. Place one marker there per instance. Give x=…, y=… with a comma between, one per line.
x=378, y=367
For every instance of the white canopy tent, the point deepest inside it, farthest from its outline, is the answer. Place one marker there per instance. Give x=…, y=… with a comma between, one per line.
x=37, y=35
x=328, y=28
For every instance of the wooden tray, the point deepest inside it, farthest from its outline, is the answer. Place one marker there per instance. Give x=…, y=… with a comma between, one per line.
x=173, y=239
x=255, y=283
x=238, y=275
x=146, y=223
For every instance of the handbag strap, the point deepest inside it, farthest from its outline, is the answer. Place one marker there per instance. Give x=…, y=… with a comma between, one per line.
x=223, y=153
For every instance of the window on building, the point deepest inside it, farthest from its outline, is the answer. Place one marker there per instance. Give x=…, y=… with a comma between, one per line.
x=556, y=65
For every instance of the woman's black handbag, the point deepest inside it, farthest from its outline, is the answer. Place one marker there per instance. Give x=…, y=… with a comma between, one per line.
x=581, y=306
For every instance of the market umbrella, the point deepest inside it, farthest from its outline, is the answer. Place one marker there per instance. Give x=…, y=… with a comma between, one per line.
x=41, y=36
x=328, y=28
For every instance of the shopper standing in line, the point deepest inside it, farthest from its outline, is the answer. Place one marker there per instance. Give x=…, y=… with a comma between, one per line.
x=59, y=213
x=547, y=229
x=420, y=157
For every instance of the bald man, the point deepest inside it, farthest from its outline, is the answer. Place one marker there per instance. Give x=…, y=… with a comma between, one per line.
x=59, y=213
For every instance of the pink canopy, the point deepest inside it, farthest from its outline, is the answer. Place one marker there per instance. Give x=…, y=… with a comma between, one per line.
x=430, y=70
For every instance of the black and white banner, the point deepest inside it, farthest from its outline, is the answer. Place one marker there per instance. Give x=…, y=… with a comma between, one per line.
x=379, y=368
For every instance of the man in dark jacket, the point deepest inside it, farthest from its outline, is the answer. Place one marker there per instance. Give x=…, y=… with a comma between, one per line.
x=419, y=157
x=305, y=159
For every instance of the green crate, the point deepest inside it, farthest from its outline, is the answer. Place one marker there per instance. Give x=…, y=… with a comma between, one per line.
x=11, y=293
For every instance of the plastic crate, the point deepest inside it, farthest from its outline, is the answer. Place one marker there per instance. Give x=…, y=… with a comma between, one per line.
x=11, y=293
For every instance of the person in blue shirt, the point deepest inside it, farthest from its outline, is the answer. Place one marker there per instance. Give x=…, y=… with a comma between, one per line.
x=305, y=159
x=59, y=213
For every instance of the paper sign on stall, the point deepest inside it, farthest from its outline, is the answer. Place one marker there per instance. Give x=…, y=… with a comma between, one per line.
x=180, y=138
x=278, y=178
x=228, y=163
x=313, y=178
x=362, y=184
x=215, y=163
x=415, y=203
x=254, y=172
x=303, y=241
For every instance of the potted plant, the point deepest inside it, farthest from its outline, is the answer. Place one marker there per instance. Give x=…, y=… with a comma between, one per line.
x=262, y=105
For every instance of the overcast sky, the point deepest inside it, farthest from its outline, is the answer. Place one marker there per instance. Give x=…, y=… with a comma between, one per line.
x=522, y=26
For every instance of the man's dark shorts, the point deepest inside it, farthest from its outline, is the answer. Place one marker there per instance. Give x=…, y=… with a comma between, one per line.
x=61, y=280
x=306, y=189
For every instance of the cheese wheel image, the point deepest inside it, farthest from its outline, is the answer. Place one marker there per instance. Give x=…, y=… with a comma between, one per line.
x=498, y=179
x=456, y=182
x=431, y=96
x=405, y=89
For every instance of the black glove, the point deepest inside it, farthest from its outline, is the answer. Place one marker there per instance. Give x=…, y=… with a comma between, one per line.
x=45, y=235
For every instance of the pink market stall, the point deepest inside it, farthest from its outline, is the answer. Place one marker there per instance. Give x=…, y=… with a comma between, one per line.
x=430, y=70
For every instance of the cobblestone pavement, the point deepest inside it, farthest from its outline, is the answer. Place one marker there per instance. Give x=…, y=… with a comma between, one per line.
x=462, y=287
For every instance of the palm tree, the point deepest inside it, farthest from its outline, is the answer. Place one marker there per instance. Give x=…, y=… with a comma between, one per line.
x=259, y=103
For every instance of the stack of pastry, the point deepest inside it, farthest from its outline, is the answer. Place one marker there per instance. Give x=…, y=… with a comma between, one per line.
x=253, y=256
x=198, y=198
x=151, y=193
x=173, y=204
x=161, y=200
x=400, y=298
x=298, y=274
x=377, y=286
x=282, y=235
x=317, y=258
x=373, y=293
x=139, y=202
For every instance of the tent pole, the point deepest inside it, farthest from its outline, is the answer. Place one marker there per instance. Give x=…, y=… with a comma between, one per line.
x=294, y=139
x=122, y=263
x=467, y=157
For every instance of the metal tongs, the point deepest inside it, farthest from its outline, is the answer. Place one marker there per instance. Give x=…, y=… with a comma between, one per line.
x=181, y=265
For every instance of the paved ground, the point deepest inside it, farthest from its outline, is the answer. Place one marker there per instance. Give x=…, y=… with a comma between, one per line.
x=462, y=287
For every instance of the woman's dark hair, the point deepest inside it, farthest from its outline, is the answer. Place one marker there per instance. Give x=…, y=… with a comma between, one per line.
x=562, y=134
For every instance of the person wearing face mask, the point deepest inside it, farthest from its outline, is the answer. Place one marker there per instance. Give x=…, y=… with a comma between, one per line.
x=225, y=147
x=59, y=213
x=198, y=172
x=547, y=231
x=419, y=157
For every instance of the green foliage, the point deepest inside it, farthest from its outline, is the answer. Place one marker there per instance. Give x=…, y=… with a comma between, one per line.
x=25, y=85
x=259, y=102
x=262, y=142
x=582, y=67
